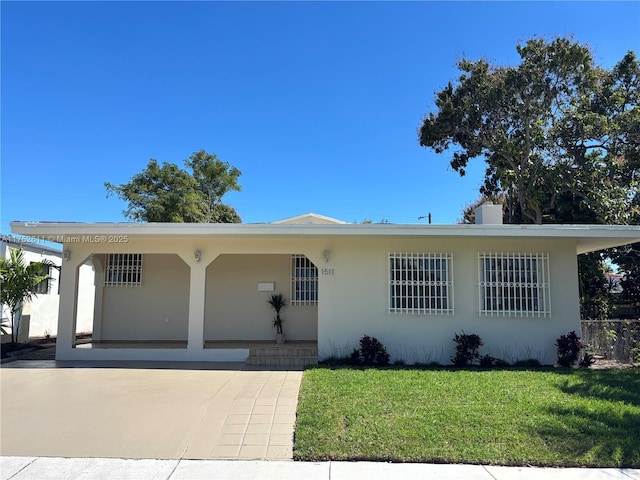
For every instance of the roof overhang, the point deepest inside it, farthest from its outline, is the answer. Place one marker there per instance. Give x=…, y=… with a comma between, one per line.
x=588, y=238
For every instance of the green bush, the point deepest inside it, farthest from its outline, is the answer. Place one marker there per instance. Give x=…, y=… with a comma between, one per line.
x=587, y=360
x=466, y=349
x=372, y=353
x=569, y=347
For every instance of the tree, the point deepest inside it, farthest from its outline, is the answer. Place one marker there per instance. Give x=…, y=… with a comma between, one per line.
x=559, y=134
x=168, y=193
x=561, y=139
x=18, y=284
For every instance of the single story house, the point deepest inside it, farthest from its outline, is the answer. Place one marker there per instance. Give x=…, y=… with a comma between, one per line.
x=198, y=291
x=39, y=317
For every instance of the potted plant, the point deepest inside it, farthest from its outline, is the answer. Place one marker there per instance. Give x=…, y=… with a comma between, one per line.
x=278, y=302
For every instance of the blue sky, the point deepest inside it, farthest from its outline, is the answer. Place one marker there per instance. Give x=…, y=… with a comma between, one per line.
x=318, y=104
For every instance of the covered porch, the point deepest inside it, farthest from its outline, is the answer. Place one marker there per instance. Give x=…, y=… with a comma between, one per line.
x=205, y=302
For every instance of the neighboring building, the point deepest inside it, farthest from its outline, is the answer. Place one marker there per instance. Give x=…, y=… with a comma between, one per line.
x=198, y=291
x=39, y=317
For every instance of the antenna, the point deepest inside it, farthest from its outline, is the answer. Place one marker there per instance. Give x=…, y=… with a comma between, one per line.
x=425, y=216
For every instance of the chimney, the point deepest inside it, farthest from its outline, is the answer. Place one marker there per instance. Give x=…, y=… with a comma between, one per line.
x=489, y=214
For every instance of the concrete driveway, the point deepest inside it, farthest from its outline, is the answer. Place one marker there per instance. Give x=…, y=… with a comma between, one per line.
x=147, y=410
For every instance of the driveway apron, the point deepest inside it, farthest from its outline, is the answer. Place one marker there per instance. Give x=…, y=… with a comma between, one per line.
x=151, y=410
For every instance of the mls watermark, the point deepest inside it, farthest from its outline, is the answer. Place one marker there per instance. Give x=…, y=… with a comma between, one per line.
x=67, y=239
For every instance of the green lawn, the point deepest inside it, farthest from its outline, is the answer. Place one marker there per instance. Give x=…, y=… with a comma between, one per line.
x=507, y=417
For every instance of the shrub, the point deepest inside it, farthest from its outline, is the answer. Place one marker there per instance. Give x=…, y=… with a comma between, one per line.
x=587, y=360
x=499, y=362
x=335, y=361
x=487, y=361
x=466, y=349
x=569, y=347
x=354, y=358
x=372, y=353
x=527, y=363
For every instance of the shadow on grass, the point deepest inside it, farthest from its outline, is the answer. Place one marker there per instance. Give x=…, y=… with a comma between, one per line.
x=610, y=385
x=595, y=438
x=603, y=429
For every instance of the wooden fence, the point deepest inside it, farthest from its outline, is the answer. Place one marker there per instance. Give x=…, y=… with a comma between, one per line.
x=612, y=339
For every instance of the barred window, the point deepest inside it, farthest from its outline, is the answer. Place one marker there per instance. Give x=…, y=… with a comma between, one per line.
x=514, y=284
x=304, y=281
x=123, y=270
x=421, y=283
x=44, y=287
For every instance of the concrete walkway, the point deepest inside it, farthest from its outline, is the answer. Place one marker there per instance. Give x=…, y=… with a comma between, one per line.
x=25, y=468
x=147, y=410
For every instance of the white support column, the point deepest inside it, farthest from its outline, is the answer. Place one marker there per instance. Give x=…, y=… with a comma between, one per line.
x=197, y=286
x=197, y=296
x=68, y=308
x=98, y=281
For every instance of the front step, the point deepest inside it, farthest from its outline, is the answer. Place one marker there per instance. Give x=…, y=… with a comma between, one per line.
x=283, y=356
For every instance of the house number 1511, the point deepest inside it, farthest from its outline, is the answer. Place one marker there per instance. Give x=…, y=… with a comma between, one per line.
x=327, y=271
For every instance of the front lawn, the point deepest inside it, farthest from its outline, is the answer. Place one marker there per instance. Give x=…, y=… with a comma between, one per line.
x=509, y=417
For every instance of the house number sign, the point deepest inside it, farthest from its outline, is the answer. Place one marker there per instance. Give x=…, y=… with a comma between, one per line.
x=327, y=271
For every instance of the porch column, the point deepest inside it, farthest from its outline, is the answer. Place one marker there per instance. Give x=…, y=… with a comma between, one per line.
x=68, y=307
x=98, y=282
x=197, y=286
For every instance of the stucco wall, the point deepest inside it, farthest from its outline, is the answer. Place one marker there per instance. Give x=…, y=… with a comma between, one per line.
x=44, y=308
x=40, y=314
x=353, y=294
x=356, y=302
x=236, y=310
x=155, y=311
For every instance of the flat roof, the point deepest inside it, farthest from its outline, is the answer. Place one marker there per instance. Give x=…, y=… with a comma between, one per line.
x=31, y=246
x=588, y=238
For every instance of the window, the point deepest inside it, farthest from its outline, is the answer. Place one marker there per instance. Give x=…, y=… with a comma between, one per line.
x=44, y=287
x=514, y=284
x=420, y=283
x=304, y=281
x=123, y=270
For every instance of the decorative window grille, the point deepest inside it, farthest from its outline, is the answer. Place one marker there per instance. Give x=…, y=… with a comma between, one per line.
x=514, y=284
x=304, y=281
x=123, y=270
x=44, y=287
x=421, y=283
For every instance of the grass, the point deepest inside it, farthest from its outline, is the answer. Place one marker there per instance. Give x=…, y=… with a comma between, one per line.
x=553, y=417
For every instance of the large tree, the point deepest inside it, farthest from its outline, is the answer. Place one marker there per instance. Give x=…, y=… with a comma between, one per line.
x=168, y=193
x=558, y=133
x=561, y=140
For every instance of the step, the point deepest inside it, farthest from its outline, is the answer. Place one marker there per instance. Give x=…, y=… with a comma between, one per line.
x=282, y=361
x=284, y=351
x=283, y=356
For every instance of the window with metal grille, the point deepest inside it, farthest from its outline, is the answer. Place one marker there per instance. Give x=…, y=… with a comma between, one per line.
x=421, y=283
x=123, y=270
x=304, y=281
x=514, y=284
x=44, y=287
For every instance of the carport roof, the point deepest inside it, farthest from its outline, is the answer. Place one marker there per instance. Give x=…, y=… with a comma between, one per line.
x=587, y=238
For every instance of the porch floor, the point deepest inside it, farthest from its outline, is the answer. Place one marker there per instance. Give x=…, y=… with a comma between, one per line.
x=248, y=344
x=254, y=353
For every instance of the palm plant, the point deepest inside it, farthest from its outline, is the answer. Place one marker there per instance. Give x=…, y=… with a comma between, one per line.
x=18, y=284
x=277, y=302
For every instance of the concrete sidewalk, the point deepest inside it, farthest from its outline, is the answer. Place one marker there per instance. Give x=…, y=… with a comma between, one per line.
x=38, y=468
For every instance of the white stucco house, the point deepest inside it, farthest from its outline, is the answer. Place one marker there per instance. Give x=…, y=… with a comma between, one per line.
x=39, y=317
x=198, y=291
